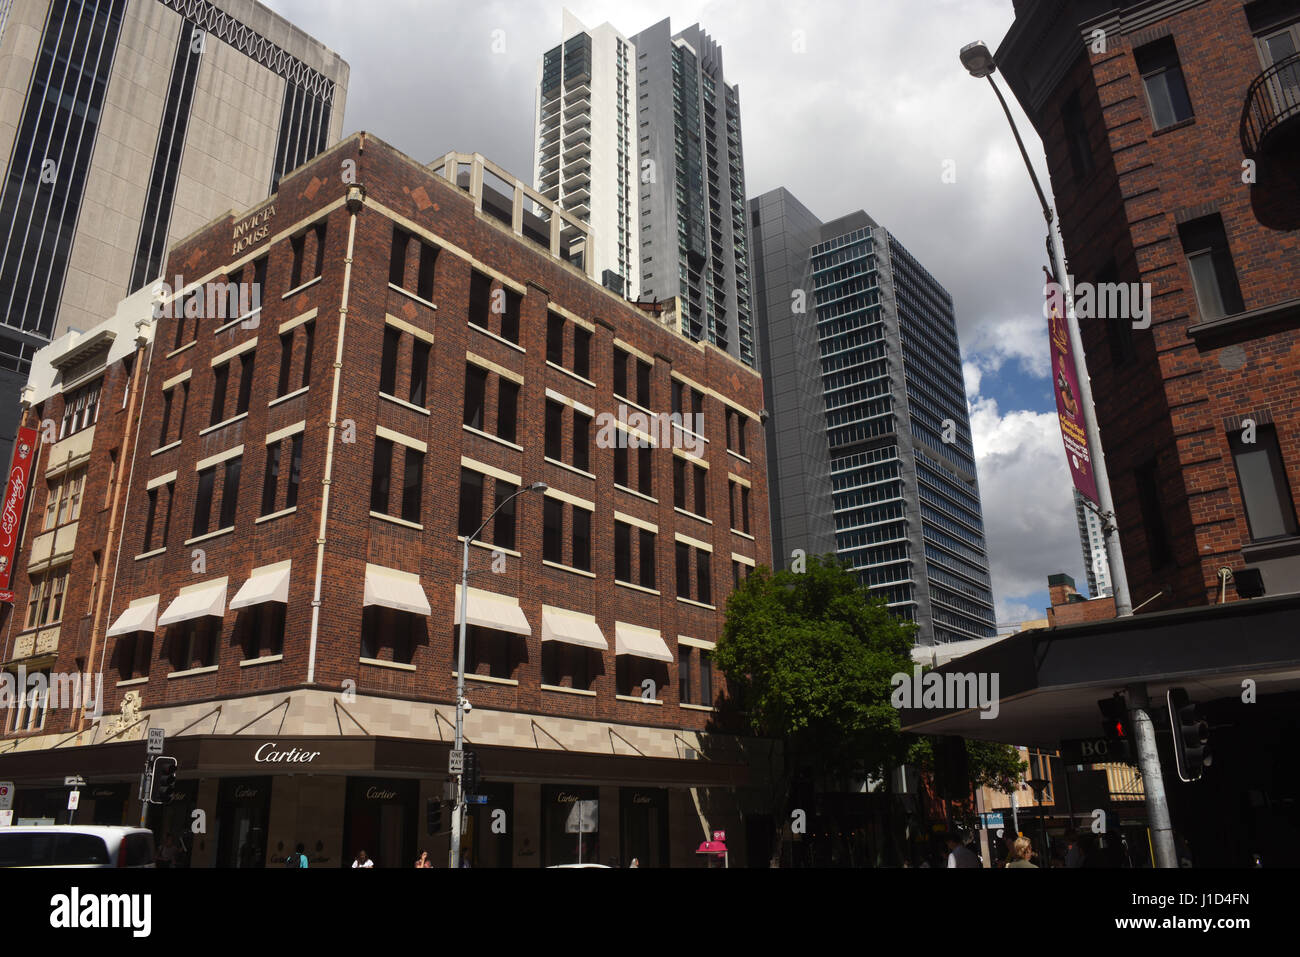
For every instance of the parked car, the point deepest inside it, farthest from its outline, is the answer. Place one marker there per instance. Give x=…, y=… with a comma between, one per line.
x=56, y=845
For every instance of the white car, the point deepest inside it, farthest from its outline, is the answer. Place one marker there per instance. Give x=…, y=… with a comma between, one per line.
x=56, y=845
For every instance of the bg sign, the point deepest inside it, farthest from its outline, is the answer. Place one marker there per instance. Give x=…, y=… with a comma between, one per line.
x=1085, y=751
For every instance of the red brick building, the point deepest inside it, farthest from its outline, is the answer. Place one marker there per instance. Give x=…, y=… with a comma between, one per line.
x=1068, y=607
x=267, y=547
x=1173, y=141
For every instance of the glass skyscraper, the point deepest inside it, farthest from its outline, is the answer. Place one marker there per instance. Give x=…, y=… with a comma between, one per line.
x=855, y=333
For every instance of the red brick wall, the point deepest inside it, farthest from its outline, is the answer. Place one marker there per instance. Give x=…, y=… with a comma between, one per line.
x=1170, y=404
x=353, y=537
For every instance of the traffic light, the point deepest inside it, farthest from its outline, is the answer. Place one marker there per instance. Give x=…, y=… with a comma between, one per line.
x=471, y=772
x=164, y=780
x=1191, y=733
x=433, y=815
x=1115, y=712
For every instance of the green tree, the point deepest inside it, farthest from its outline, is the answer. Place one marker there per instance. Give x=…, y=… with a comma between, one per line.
x=809, y=657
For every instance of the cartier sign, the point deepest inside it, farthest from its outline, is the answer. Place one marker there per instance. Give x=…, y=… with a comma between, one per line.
x=379, y=794
x=267, y=753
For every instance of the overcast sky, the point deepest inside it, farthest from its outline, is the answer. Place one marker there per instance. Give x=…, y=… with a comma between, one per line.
x=853, y=104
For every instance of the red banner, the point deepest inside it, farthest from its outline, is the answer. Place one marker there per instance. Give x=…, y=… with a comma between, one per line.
x=1069, y=403
x=11, y=515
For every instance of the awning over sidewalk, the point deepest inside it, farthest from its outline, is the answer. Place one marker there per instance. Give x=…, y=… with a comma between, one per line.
x=640, y=642
x=572, y=628
x=266, y=584
x=197, y=601
x=401, y=591
x=140, y=615
x=498, y=612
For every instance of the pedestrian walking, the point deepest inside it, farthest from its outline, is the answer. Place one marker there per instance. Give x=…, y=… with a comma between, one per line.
x=959, y=855
x=1021, y=851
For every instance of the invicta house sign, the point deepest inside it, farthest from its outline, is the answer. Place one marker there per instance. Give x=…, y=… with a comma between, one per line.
x=251, y=231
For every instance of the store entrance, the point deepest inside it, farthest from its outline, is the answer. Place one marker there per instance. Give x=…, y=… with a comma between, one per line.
x=243, y=812
x=381, y=820
x=643, y=826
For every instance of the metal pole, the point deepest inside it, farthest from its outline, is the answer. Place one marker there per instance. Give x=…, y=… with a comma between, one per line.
x=458, y=810
x=1114, y=554
x=1153, y=782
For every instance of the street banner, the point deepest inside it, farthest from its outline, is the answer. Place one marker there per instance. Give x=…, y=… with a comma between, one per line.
x=1069, y=404
x=11, y=514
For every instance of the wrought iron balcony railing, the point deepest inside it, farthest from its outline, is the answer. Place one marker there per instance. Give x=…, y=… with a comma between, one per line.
x=1272, y=100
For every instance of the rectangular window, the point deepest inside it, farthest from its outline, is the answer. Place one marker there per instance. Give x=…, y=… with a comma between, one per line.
x=309, y=332
x=168, y=398
x=397, y=259
x=419, y=371
x=646, y=560
x=230, y=492
x=553, y=531
x=424, y=282
x=679, y=483
x=298, y=244
x=554, y=431
x=706, y=678
x=220, y=379
x=701, y=491
x=697, y=411
x=319, y=266
x=620, y=464
x=295, y=472
x=581, y=539
x=475, y=396
x=1209, y=260
x=203, y=502
x=185, y=404
x=643, y=472
x=80, y=410
x=643, y=384
x=507, y=410
x=582, y=352
x=381, y=476
x=471, y=502
x=1265, y=492
x=1162, y=75
x=245, y=382
x=684, y=674
x=388, y=362
x=510, y=318
x=741, y=421
x=620, y=372
x=158, y=518
x=270, y=484
x=581, y=441
x=678, y=389
x=683, y=555
x=286, y=364
x=503, y=535
x=480, y=299
x=703, y=577
x=555, y=338
x=1076, y=137
x=622, y=552
x=412, y=484
x=744, y=509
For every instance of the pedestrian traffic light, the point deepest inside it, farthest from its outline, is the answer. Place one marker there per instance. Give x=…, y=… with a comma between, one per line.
x=164, y=780
x=1191, y=735
x=1114, y=710
x=471, y=772
x=433, y=814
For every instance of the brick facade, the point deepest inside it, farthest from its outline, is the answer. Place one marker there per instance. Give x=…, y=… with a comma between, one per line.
x=397, y=190
x=1164, y=395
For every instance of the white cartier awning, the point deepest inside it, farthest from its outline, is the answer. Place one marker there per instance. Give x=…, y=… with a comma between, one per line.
x=197, y=601
x=497, y=612
x=640, y=642
x=140, y=615
x=266, y=584
x=572, y=628
x=401, y=591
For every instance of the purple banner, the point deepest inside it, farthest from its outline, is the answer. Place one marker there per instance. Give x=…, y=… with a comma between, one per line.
x=1069, y=404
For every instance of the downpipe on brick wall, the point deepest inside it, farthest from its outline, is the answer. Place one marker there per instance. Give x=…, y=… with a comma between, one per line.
x=356, y=199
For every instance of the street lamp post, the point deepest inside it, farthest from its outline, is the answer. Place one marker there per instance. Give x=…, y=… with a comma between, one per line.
x=458, y=813
x=979, y=62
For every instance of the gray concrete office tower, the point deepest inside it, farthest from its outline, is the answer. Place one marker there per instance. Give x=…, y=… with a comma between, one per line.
x=126, y=125
x=869, y=442
x=692, y=187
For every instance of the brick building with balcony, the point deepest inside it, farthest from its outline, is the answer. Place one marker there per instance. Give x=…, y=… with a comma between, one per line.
x=272, y=495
